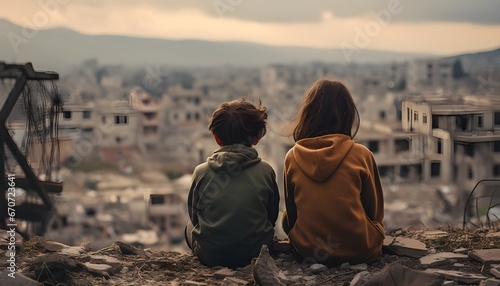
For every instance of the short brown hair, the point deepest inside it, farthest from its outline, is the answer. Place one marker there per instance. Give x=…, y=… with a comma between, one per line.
x=328, y=108
x=239, y=121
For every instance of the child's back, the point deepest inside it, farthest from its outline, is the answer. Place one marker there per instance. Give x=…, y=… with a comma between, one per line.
x=233, y=193
x=233, y=205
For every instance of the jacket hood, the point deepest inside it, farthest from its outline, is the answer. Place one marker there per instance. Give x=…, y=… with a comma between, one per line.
x=232, y=157
x=319, y=157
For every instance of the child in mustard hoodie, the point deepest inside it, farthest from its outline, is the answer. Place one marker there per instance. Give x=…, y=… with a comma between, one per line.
x=333, y=194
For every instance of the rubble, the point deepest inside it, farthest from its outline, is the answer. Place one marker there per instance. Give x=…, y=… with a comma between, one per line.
x=486, y=256
x=405, y=246
x=442, y=258
x=265, y=271
x=122, y=264
x=458, y=276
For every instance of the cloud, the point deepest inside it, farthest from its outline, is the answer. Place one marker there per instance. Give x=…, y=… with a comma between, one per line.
x=286, y=11
x=325, y=27
x=480, y=12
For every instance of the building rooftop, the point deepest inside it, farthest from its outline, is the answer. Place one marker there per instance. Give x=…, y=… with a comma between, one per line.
x=457, y=104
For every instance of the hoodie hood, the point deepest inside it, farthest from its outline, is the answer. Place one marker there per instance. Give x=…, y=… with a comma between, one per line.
x=319, y=157
x=233, y=157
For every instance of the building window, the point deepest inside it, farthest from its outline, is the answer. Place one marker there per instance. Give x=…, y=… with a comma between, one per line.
x=479, y=121
x=86, y=114
x=150, y=130
x=461, y=122
x=408, y=113
x=469, y=150
x=67, y=115
x=424, y=118
x=118, y=140
x=373, y=146
x=381, y=114
x=150, y=115
x=157, y=199
x=496, y=146
x=470, y=174
x=402, y=145
x=435, y=169
x=497, y=118
x=103, y=119
x=439, y=146
x=404, y=171
x=87, y=130
x=121, y=119
x=188, y=116
x=415, y=116
x=383, y=171
x=435, y=121
x=496, y=170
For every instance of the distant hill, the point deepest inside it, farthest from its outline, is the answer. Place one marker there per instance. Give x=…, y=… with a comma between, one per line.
x=473, y=62
x=59, y=49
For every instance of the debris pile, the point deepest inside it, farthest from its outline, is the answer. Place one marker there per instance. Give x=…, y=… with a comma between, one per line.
x=410, y=257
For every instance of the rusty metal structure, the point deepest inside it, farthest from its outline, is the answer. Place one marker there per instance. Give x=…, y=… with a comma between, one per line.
x=35, y=100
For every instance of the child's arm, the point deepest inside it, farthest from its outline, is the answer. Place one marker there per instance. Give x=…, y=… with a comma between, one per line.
x=290, y=215
x=193, y=199
x=273, y=203
x=372, y=194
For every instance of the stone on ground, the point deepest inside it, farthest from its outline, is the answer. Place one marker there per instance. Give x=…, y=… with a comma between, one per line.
x=490, y=282
x=405, y=246
x=265, y=271
x=54, y=246
x=486, y=256
x=396, y=274
x=18, y=280
x=442, y=258
x=469, y=278
x=223, y=273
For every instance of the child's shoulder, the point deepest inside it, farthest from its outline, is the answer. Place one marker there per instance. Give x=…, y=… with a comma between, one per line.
x=358, y=147
x=265, y=165
x=201, y=168
x=362, y=152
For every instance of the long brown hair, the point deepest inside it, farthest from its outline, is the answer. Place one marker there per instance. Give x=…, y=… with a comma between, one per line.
x=328, y=108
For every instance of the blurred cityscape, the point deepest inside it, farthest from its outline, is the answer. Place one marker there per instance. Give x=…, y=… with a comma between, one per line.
x=130, y=138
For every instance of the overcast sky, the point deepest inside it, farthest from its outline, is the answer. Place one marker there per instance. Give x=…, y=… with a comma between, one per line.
x=425, y=26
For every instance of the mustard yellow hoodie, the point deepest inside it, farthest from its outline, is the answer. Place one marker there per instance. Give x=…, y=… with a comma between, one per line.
x=334, y=201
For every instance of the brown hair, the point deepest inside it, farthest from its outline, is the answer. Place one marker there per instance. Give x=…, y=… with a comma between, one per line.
x=239, y=121
x=328, y=108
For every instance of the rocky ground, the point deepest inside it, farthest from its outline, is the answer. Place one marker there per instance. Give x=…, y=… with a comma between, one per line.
x=411, y=257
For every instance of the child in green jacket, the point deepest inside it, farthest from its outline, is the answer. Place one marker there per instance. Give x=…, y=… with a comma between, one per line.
x=233, y=200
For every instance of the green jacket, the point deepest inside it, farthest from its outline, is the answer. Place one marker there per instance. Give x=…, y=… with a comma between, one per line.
x=233, y=204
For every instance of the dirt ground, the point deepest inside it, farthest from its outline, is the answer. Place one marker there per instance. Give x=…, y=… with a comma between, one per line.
x=135, y=266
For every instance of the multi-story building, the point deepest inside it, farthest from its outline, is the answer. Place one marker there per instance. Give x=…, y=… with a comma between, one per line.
x=185, y=139
x=393, y=150
x=458, y=137
x=434, y=74
x=106, y=128
x=150, y=118
x=119, y=125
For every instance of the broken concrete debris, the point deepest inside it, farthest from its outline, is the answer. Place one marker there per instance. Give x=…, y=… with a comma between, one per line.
x=265, y=271
x=405, y=246
x=490, y=282
x=486, y=256
x=458, y=276
x=51, y=262
x=442, y=258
